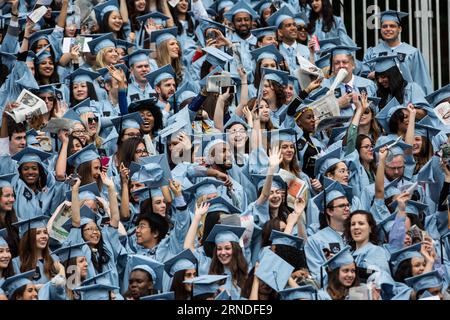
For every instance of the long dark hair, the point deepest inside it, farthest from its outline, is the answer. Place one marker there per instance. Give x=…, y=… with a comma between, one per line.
x=396, y=88
x=104, y=27
x=335, y=288
x=395, y=120
x=404, y=271
x=178, y=287
x=7, y=218
x=179, y=25
x=127, y=150
x=359, y=139
x=328, y=18
x=85, y=172
x=42, y=181
x=54, y=78
x=247, y=288
x=91, y=94
x=4, y=72
x=373, y=235
x=102, y=257
x=279, y=93
x=212, y=218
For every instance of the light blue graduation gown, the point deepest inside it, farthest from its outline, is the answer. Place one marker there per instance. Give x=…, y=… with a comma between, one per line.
x=43, y=279
x=337, y=31
x=291, y=57
x=136, y=93
x=372, y=255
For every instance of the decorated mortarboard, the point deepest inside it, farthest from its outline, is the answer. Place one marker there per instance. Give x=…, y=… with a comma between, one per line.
x=307, y=292
x=332, y=192
x=15, y=282
x=225, y=233
x=105, y=7
x=277, y=18
x=206, y=284
x=31, y=223
x=153, y=267
x=128, y=121
x=86, y=154
x=439, y=96
x=138, y=56
x=261, y=6
x=70, y=251
x=326, y=161
x=159, y=36
x=204, y=187
x=267, y=52
x=160, y=296
x=240, y=7
x=415, y=207
x=163, y=73
x=342, y=258
x=156, y=16
x=397, y=257
x=223, y=205
x=30, y=154
x=217, y=57
x=273, y=270
x=86, y=192
x=392, y=15
x=83, y=75
x=99, y=43
x=278, y=237
x=383, y=63
x=263, y=32
x=183, y=261
x=234, y=119
x=425, y=281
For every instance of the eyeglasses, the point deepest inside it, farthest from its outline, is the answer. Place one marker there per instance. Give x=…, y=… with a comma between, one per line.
x=238, y=132
x=396, y=168
x=78, y=132
x=90, y=120
x=50, y=98
x=367, y=146
x=343, y=206
x=142, y=226
x=92, y=230
x=141, y=152
x=133, y=135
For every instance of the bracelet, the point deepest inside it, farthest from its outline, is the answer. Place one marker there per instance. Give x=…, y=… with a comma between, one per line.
x=15, y=15
x=28, y=38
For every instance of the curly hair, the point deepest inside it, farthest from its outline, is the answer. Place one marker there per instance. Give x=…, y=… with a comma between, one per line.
x=373, y=234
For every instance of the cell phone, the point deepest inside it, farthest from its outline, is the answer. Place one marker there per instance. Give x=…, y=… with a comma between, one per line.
x=224, y=89
x=295, y=103
x=104, y=161
x=72, y=179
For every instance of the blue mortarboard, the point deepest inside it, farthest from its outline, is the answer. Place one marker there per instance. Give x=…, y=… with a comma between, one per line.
x=163, y=73
x=161, y=161
x=153, y=267
x=423, y=281
x=341, y=50
x=221, y=204
x=278, y=237
x=224, y=233
x=234, y=119
x=415, y=207
x=332, y=192
x=86, y=213
x=86, y=192
x=224, y=295
x=438, y=96
x=324, y=61
x=105, y=7
x=426, y=173
x=151, y=174
x=392, y=15
x=159, y=36
x=342, y=258
x=183, y=261
x=326, y=161
x=337, y=133
x=386, y=113
x=261, y=6
x=85, y=106
x=105, y=41
x=426, y=128
x=277, y=181
x=31, y=137
x=86, y=154
x=141, y=193
x=30, y=154
x=281, y=77
x=43, y=54
x=263, y=32
x=205, y=284
x=273, y=270
x=11, y=284
x=278, y=17
x=348, y=190
x=206, y=24
x=156, y=16
x=239, y=7
x=128, y=121
x=96, y=291
x=83, y=75
x=138, y=56
x=383, y=63
x=267, y=52
x=398, y=149
x=3, y=237
x=161, y=296
x=124, y=44
x=31, y=223
x=204, y=187
x=217, y=57
x=48, y=88
x=327, y=44
x=301, y=18
x=403, y=254
x=307, y=292
x=5, y=180
x=38, y=35
x=186, y=91
x=222, y=4
x=285, y=135
x=70, y=251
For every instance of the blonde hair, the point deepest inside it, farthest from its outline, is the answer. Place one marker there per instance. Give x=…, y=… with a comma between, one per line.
x=95, y=138
x=163, y=58
x=100, y=58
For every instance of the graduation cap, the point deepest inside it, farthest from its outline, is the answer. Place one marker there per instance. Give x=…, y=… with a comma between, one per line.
x=224, y=295
x=38, y=35
x=186, y=91
x=183, y=261
x=43, y=54
x=425, y=281
x=105, y=41
x=96, y=291
x=241, y=7
x=161, y=296
x=206, y=24
x=67, y=252
x=324, y=61
x=307, y=292
x=264, y=32
x=426, y=173
x=332, y=192
x=3, y=237
x=426, y=128
x=327, y=44
x=261, y=6
x=31, y=138
x=342, y=258
x=383, y=63
x=209, y=145
x=337, y=50
x=161, y=161
x=105, y=7
x=145, y=104
x=273, y=270
x=5, y=180
x=86, y=192
x=224, y=233
x=205, y=284
x=156, y=16
x=301, y=18
x=217, y=57
x=153, y=267
x=415, y=207
x=222, y=4
x=234, y=119
x=392, y=15
x=399, y=148
x=13, y=283
x=206, y=186
x=397, y=257
x=124, y=44
x=439, y=96
x=385, y=225
x=30, y=154
x=386, y=113
x=348, y=190
x=128, y=121
x=374, y=103
x=86, y=214
x=159, y=36
x=267, y=52
x=278, y=237
x=281, y=77
x=151, y=174
x=277, y=18
x=277, y=181
x=31, y=223
x=86, y=154
x=83, y=75
x=163, y=73
x=337, y=133
x=326, y=161
x=221, y=204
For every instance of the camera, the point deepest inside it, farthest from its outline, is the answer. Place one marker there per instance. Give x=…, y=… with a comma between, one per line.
x=72, y=179
x=224, y=89
x=218, y=81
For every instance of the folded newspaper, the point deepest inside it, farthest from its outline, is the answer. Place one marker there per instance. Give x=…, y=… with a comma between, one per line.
x=307, y=72
x=442, y=111
x=56, y=124
x=30, y=106
x=297, y=188
x=61, y=216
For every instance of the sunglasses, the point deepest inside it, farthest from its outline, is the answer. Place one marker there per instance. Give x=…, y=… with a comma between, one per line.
x=301, y=28
x=91, y=120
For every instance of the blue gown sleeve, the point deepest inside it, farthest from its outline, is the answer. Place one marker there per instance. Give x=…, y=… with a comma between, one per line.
x=123, y=102
x=397, y=233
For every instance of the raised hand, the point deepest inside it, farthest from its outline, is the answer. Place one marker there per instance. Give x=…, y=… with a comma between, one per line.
x=63, y=136
x=275, y=157
x=106, y=180
x=124, y=173
x=299, y=205
x=176, y=188
x=201, y=209
x=383, y=154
